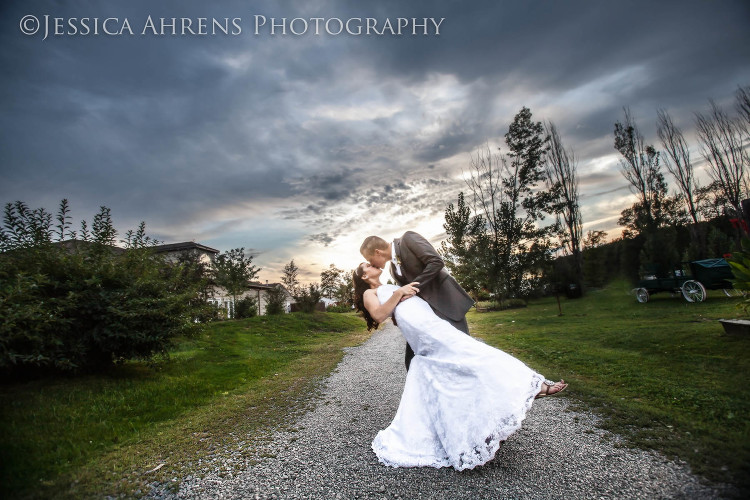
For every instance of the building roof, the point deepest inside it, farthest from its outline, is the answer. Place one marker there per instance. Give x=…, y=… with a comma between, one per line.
x=256, y=285
x=180, y=247
x=75, y=245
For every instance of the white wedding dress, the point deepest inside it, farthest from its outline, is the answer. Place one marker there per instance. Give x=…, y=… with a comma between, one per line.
x=461, y=398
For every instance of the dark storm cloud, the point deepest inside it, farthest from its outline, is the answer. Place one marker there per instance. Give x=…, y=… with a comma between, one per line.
x=321, y=238
x=557, y=45
x=177, y=129
x=667, y=54
x=329, y=186
x=171, y=114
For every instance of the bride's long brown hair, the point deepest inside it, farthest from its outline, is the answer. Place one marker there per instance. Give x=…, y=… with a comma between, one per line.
x=360, y=287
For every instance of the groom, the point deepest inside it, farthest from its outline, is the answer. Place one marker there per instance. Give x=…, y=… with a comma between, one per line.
x=413, y=258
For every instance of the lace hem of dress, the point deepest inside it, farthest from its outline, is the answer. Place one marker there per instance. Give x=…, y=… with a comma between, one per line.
x=423, y=461
x=479, y=454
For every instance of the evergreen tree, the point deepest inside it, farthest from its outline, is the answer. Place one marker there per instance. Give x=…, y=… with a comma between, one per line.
x=464, y=249
x=290, y=278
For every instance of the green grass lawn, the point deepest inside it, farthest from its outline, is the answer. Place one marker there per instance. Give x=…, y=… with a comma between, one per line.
x=663, y=373
x=97, y=435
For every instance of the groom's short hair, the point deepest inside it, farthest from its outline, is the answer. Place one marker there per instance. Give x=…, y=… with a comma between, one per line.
x=372, y=243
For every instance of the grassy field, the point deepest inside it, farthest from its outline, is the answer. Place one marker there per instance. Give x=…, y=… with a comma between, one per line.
x=663, y=373
x=96, y=435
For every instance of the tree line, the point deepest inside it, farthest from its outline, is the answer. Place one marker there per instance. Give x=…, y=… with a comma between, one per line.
x=334, y=283
x=522, y=205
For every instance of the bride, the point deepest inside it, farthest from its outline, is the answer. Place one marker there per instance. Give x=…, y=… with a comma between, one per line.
x=461, y=399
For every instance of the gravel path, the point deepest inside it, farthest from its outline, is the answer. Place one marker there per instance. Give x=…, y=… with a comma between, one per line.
x=326, y=453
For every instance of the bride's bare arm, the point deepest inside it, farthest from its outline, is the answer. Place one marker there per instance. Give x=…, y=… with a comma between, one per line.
x=381, y=312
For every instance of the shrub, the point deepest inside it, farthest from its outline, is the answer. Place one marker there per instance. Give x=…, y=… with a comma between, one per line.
x=499, y=306
x=740, y=264
x=308, y=298
x=276, y=301
x=245, y=308
x=340, y=308
x=513, y=303
x=86, y=304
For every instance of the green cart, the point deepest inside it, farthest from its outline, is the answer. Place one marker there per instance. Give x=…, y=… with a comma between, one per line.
x=689, y=279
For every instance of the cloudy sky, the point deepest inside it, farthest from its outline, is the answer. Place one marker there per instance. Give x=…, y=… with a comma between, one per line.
x=296, y=141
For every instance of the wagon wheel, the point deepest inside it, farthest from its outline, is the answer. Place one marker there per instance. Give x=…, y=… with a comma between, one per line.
x=641, y=295
x=733, y=292
x=693, y=291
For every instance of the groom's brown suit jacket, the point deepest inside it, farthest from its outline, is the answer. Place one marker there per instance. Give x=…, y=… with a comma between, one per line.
x=419, y=261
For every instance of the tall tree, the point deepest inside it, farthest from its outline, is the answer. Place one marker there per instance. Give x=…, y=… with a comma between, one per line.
x=330, y=280
x=345, y=292
x=527, y=244
x=290, y=278
x=562, y=181
x=723, y=144
x=484, y=182
x=505, y=195
x=337, y=284
x=641, y=167
x=678, y=163
x=234, y=271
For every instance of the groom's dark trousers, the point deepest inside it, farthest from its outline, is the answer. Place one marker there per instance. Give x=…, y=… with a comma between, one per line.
x=419, y=261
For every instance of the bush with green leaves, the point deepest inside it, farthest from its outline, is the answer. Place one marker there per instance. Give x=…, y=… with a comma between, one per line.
x=80, y=303
x=245, y=307
x=493, y=305
x=307, y=298
x=740, y=264
x=276, y=301
x=339, y=308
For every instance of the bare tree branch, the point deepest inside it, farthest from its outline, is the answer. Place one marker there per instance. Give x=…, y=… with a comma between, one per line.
x=722, y=145
x=640, y=167
x=677, y=160
x=743, y=105
x=562, y=181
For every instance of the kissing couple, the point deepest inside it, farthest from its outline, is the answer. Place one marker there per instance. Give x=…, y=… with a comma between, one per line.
x=462, y=398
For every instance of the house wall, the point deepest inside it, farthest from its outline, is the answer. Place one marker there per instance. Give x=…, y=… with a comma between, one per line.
x=203, y=256
x=221, y=298
x=219, y=295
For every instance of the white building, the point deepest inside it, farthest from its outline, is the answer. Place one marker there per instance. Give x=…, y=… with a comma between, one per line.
x=207, y=255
